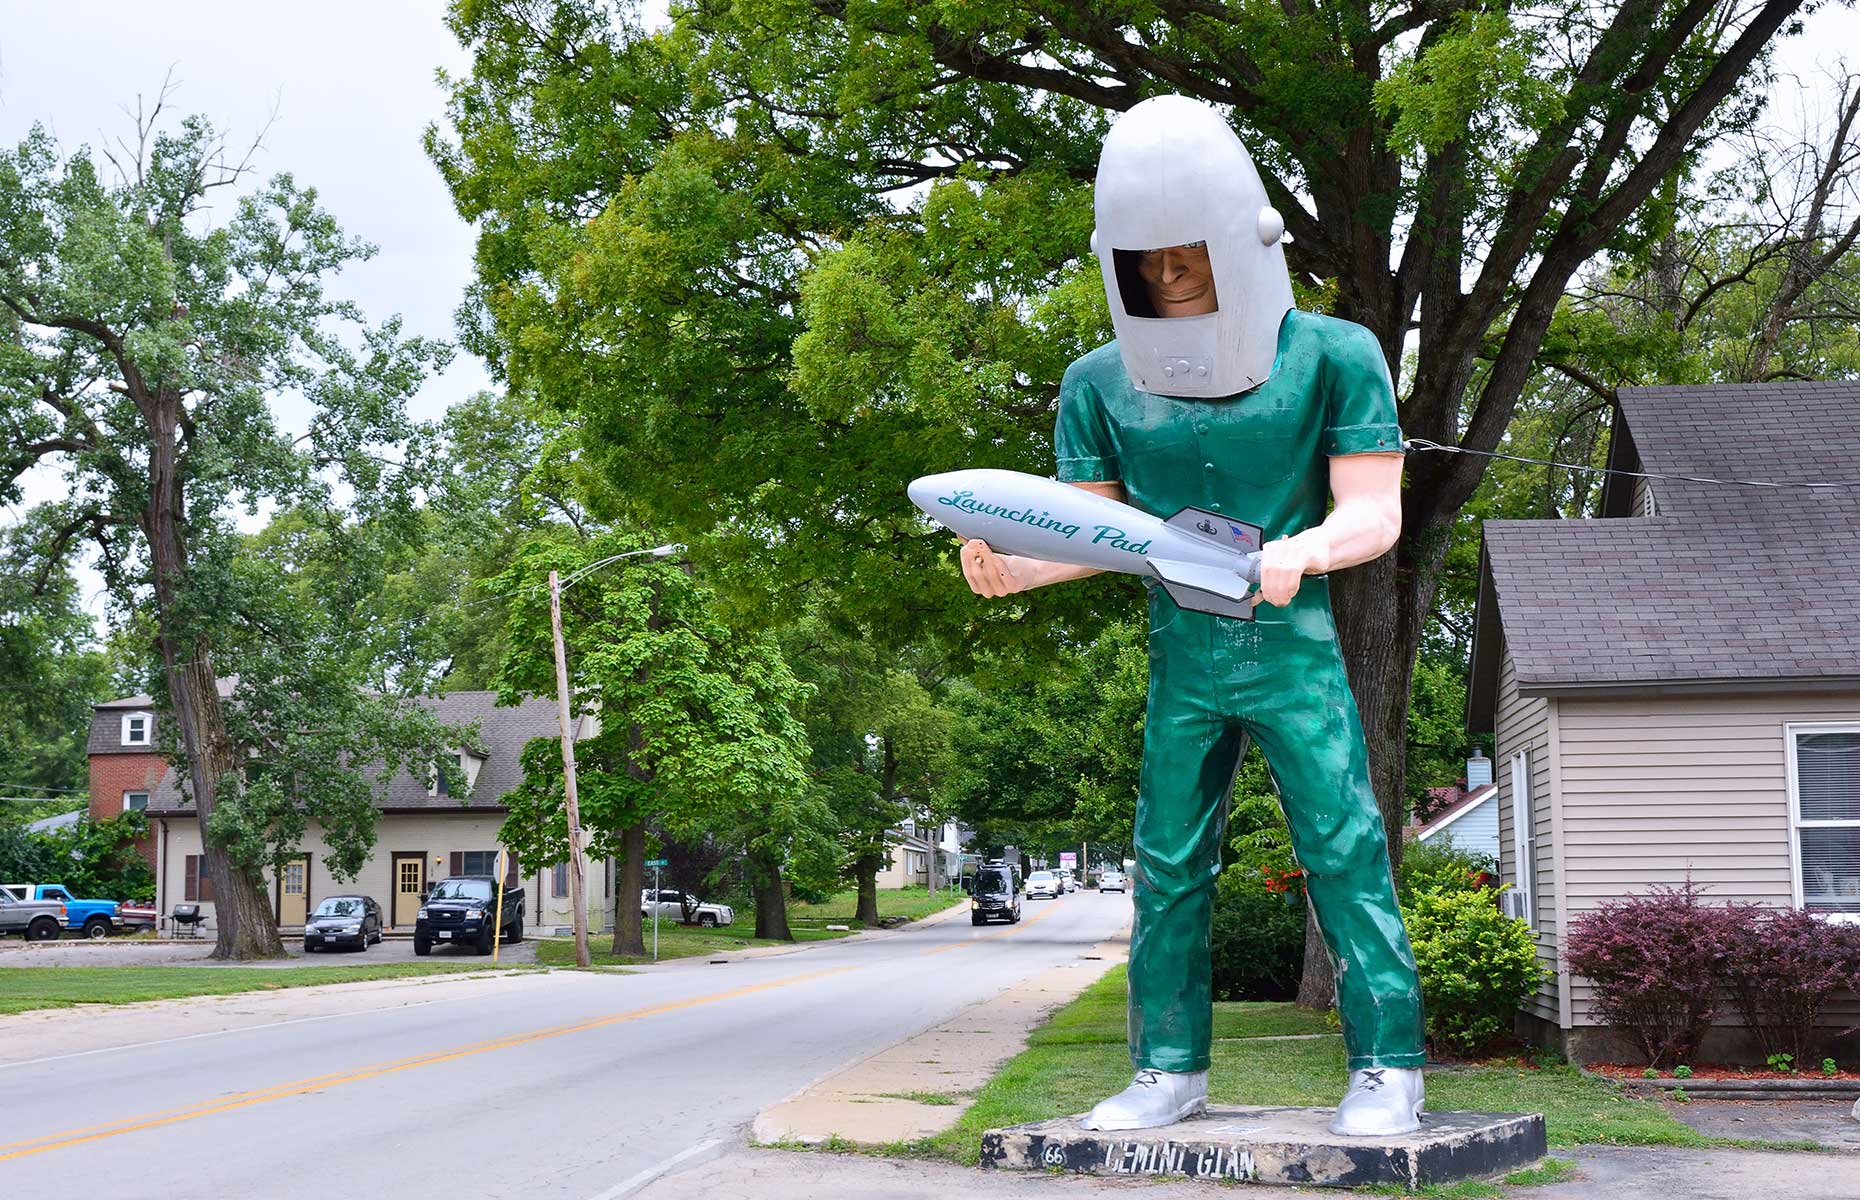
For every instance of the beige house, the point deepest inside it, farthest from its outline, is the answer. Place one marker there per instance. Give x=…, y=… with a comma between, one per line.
x=1674, y=687
x=910, y=863
x=422, y=833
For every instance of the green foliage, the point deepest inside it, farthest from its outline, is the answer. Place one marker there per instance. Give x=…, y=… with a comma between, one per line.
x=1829, y=1067
x=51, y=671
x=96, y=860
x=1258, y=938
x=1682, y=1071
x=1784, y=1063
x=1476, y=964
x=698, y=730
x=1442, y=866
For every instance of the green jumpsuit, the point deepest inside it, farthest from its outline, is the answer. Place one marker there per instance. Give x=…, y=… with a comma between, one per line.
x=1215, y=683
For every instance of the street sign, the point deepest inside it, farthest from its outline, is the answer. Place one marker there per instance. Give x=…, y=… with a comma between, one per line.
x=1068, y=861
x=658, y=862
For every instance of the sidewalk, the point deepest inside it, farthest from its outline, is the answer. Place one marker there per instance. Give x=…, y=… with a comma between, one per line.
x=922, y=1085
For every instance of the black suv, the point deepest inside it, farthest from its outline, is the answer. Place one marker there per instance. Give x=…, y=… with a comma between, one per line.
x=997, y=894
x=458, y=910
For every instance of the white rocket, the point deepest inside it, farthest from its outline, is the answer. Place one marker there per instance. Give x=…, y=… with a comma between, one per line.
x=1205, y=561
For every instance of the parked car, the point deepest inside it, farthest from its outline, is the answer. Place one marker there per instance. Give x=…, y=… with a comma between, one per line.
x=1114, y=881
x=92, y=918
x=34, y=920
x=461, y=910
x=995, y=895
x=1044, y=883
x=343, y=921
x=136, y=918
x=1067, y=880
x=684, y=908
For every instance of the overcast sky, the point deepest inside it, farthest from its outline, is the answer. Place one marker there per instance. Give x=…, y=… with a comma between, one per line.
x=353, y=85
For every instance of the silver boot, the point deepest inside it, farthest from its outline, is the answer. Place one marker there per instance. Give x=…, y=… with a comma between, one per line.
x=1153, y=1098
x=1381, y=1102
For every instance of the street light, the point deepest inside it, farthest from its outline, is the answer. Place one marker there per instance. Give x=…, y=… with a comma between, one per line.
x=577, y=885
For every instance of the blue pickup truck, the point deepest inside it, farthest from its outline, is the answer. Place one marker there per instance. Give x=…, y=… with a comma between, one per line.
x=92, y=918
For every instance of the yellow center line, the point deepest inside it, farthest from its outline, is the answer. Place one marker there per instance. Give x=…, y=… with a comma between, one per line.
x=76, y=1137
x=93, y=1133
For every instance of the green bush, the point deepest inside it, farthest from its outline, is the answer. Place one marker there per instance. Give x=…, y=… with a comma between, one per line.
x=1477, y=966
x=1442, y=866
x=1259, y=938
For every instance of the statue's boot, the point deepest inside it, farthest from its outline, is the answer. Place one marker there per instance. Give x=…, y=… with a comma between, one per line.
x=1382, y=1101
x=1153, y=1098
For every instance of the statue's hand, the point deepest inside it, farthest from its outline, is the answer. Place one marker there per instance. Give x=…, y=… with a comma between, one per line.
x=1284, y=564
x=991, y=574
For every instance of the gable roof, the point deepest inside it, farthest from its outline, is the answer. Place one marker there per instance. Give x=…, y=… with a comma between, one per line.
x=1726, y=585
x=502, y=734
x=1453, y=812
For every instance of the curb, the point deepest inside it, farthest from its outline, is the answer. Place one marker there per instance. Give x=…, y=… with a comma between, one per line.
x=1742, y=1089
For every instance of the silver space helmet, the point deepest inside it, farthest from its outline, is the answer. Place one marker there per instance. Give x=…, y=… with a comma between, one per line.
x=1172, y=173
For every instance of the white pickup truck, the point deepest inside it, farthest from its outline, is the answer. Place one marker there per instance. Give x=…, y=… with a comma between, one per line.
x=684, y=907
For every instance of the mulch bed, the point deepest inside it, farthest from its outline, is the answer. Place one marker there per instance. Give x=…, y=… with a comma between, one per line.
x=1638, y=1071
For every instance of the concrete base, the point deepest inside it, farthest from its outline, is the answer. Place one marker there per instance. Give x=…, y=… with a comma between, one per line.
x=1277, y=1145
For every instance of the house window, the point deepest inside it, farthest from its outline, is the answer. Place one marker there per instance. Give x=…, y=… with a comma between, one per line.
x=478, y=862
x=198, y=883
x=1524, y=836
x=1824, y=785
x=135, y=801
x=137, y=728
x=558, y=884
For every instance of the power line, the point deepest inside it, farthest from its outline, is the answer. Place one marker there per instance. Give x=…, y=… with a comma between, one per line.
x=1820, y=484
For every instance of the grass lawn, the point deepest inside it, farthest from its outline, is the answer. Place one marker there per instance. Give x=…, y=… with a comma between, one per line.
x=24, y=988
x=808, y=923
x=1078, y=1058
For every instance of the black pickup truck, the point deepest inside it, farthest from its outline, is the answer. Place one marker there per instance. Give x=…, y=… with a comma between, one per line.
x=460, y=910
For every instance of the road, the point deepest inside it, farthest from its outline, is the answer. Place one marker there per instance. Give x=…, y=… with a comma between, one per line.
x=542, y=1085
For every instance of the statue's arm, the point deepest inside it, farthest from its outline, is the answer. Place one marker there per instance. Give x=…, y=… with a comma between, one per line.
x=991, y=574
x=1364, y=522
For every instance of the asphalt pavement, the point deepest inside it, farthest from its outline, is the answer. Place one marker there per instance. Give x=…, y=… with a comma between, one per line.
x=563, y=1084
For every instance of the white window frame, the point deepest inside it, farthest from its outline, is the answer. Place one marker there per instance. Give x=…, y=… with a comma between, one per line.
x=127, y=807
x=1792, y=730
x=148, y=729
x=1524, y=836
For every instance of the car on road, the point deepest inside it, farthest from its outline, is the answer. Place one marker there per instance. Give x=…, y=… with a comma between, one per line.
x=1067, y=880
x=91, y=918
x=463, y=910
x=1044, y=883
x=683, y=907
x=343, y=921
x=1114, y=881
x=995, y=895
x=34, y=920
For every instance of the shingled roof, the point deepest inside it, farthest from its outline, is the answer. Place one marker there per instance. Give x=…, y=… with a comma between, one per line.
x=1721, y=585
x=502, y=734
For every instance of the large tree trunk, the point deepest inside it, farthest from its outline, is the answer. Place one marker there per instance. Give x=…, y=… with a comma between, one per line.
x=1381, y=609
x=865, y=870
x=771, y=902
x=244, y=925
x=629, y=936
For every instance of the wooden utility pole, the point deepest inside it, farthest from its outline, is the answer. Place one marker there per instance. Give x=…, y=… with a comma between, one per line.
x=577, y=890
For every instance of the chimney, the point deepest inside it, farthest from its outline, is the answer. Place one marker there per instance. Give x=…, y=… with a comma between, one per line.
x=1478, y=770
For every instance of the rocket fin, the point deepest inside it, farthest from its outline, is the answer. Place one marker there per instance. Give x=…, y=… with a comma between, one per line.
x=1218, y=590
x=1215, y=528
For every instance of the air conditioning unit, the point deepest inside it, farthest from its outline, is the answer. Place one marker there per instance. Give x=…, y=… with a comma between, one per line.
x=1511, y=904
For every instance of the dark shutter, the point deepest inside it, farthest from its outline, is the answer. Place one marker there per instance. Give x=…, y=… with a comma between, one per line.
x=458, y=862
x=206, y=881
x=512, y=877
x=191, y=890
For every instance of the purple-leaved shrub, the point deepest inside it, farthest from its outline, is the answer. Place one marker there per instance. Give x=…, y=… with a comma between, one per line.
x=1784, y=968
x=1658, y=963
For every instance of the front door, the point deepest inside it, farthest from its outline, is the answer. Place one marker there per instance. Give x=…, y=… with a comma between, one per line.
x=294, y=891
x=409, y=887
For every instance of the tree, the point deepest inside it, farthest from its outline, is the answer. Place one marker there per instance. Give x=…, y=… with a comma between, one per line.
x=140, y=347
x=696, y=728
x=51, y=670
x=784, y=257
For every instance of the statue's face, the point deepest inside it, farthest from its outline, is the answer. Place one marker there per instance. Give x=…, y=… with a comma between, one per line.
x=1180, y=279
